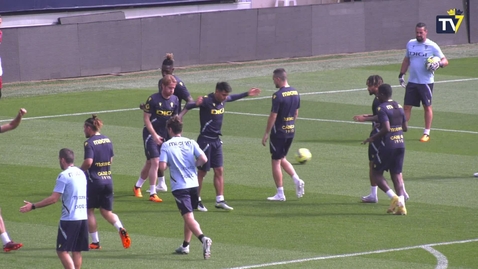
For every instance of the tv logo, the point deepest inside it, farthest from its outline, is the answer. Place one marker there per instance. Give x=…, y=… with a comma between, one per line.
x=449, y=24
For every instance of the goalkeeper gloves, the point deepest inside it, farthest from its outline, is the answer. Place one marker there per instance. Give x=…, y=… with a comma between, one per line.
x=401, y=79
x=434, y=66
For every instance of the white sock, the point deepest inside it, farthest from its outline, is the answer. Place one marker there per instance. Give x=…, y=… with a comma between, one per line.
x=199, y=199
x=373, y=191
x=296, y=178
x=401, y=200
x=390, y=193
x=118, y=225
x=5, y=238
x=140, y=182
x=152, y=189
x=280, y=191
x=219, y=198
x=160, y=181
x=94, y=237
x=426, y=131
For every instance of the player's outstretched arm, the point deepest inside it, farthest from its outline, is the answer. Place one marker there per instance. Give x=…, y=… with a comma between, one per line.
x=15, y=122
x=251, y=92
x=365, y=117
x=191, y=105
x=53, y=198
x=254, y=92
x=189, y=99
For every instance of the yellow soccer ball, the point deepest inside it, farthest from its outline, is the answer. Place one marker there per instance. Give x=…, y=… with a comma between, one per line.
x=303, y=155
x=431, y=61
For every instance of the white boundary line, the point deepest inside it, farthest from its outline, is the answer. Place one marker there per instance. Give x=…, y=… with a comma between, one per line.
x=353, y=122
x=359, y=89
x=442, y=260
x=230, y=112
x=427, y=246
x=74, y=114
x=264, y=115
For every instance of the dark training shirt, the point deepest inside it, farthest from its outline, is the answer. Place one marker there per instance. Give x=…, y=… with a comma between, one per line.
x=211, y=113
x=161, y=111
x=392, y=112
x=285, y=103
x=100, y=149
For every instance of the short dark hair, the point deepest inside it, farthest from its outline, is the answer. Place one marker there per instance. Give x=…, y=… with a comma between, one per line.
x=67, y=154
x=386, y=90
x=280, y=73
x=421, y=25
x=223, y=87
x=94, y=122
x=175, y=124
x=374, y=80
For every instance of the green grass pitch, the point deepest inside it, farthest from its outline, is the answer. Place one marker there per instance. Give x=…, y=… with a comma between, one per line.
x=327, y=228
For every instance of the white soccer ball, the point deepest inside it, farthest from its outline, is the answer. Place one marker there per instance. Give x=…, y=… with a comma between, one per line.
x=430, y=61
x=303, y=155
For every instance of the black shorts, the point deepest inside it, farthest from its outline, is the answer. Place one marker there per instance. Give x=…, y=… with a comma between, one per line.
x=72, y=236
x=418, y=93
x=279, y=147
x=389, y=160
x=151, y=148
x=212, y=147
x=100, y=194
x=186, y=199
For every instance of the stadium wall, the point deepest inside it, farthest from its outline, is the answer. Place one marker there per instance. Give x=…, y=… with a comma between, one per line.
x=96, y=48
x=17, y=7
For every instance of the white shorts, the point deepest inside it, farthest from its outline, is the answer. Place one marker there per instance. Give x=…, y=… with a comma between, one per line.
x=1, y=70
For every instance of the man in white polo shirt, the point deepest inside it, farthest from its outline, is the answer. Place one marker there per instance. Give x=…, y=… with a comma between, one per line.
x=73, y=228
x=419, y=88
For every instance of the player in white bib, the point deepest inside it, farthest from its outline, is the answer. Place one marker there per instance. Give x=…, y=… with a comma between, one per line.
x=419, y=88
x=182, y=155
